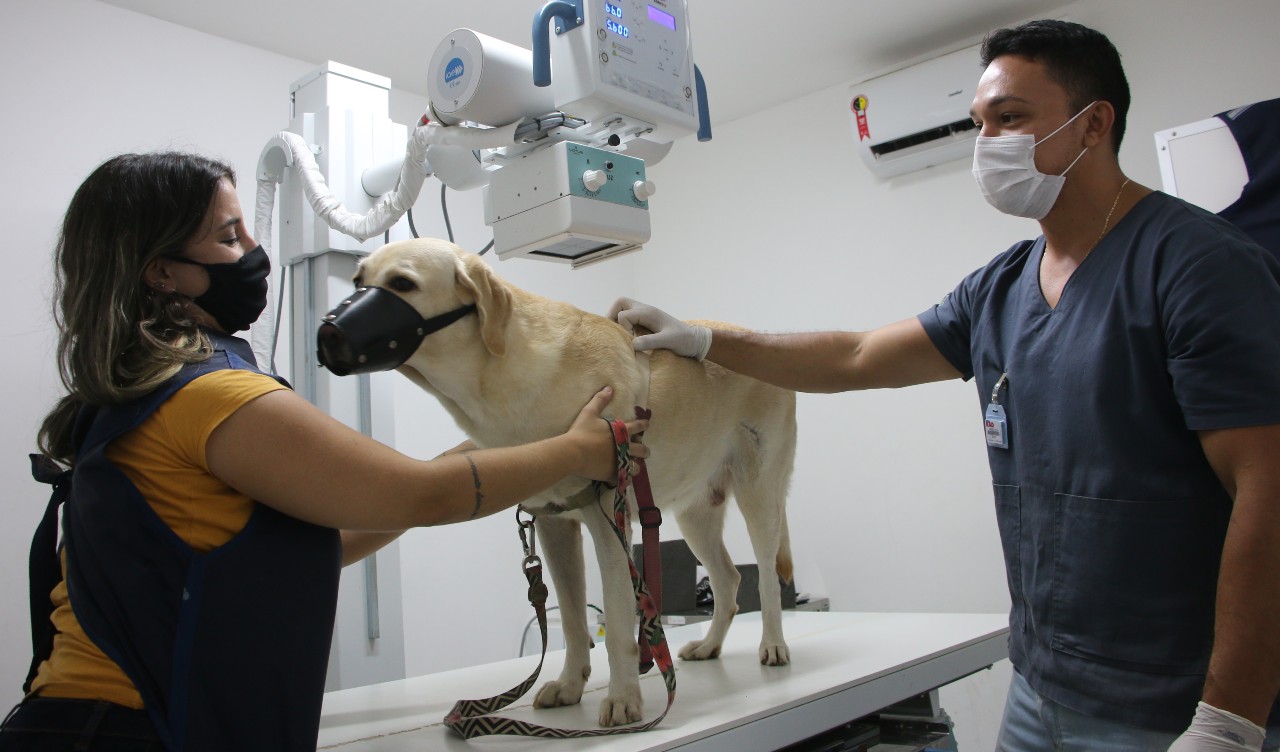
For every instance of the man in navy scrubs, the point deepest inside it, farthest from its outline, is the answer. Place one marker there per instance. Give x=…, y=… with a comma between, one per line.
x=1128, y=372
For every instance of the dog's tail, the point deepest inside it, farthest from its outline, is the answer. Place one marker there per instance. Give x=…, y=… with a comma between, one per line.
x=786, y=569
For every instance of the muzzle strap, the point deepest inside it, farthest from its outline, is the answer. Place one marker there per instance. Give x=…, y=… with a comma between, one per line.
x=436, y=323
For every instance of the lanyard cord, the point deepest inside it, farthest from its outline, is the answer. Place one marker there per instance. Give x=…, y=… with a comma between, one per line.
x=995, y=393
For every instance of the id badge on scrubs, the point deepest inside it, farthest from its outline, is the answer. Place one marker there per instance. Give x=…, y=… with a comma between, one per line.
x=994, y=423
x=997, y=427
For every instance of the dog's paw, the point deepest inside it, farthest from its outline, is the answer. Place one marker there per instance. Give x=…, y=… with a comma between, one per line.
x=556, y=694
x=774, y=655
x=621, y=709
x=700, y=650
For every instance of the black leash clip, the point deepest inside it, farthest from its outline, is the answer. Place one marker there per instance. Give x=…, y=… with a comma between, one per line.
x=527, y=541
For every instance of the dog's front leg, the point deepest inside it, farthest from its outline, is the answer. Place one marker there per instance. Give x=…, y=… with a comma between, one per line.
x=624, y=703
x=561, y=538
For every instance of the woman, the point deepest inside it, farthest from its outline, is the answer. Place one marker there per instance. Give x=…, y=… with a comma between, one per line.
x=193, y=602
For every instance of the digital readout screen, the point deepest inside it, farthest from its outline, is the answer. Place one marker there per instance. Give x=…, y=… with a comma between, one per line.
x=662, y=17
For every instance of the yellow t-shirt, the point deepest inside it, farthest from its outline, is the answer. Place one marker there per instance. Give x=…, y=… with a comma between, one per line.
x=165, y=459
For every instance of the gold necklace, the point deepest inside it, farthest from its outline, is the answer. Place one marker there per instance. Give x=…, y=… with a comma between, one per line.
x=1107, y=223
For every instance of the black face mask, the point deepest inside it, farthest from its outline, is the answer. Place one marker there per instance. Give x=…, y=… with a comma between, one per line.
x=237, y=291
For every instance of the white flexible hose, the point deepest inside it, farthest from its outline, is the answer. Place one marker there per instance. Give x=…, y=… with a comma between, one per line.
x=289, y=150
x=391, y=207
x=385, y=213
x=435, y=134
x=262, y=333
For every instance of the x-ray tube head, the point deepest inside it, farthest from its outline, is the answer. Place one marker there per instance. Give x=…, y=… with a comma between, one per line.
x=476, y=78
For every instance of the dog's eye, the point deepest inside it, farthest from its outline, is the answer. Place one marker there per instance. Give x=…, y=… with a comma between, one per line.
x=402, y=284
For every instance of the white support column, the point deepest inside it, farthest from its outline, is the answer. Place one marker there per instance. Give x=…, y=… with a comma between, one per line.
x=343, y=114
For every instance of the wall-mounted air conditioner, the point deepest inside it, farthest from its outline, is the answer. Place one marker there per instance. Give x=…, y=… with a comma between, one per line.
x=918, y=116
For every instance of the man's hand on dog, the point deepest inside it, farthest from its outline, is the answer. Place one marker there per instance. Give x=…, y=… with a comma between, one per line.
x=669, y=333
x=594, y=437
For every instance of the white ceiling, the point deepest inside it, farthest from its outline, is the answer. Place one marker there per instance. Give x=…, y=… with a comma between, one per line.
x=753, y=54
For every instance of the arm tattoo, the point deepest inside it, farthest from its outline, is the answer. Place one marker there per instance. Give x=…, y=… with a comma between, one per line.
x=475, y=477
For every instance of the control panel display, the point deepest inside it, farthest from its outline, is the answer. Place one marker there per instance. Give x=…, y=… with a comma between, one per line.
x=662, y=17
x=614, y=21
x=643, y=51
x=617, y=28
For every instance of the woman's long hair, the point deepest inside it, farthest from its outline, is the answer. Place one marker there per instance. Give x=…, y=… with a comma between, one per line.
x=118, y=340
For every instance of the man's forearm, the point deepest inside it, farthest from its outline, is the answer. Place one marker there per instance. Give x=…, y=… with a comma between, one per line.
x=896, y=355
x=1244, y=671
x=804, y=362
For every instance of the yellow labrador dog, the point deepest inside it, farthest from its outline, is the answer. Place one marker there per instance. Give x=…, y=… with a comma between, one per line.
x=520, y=369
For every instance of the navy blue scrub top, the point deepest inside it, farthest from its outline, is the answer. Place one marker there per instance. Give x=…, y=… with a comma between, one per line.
x=1256, y=129
x=1111, y=518
x=1167, y=328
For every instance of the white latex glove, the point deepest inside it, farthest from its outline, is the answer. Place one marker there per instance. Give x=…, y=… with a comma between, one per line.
x=1214, y=730
x=669, y=333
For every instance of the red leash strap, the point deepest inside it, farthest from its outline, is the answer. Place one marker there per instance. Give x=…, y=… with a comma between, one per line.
x=650, y=542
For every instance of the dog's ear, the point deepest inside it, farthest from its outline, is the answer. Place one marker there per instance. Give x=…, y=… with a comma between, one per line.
x=492, y=299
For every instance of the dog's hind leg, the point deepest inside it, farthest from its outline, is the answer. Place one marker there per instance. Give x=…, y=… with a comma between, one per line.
x=760, y=489
x=702, y=525
x=624, y=703
x=766, y=530
x=561, y=538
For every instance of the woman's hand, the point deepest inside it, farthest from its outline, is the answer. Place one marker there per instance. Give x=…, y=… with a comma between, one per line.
x=466, y=446
x=594, y=437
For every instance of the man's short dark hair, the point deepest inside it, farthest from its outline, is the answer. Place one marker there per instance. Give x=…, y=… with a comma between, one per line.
x=1077, y=58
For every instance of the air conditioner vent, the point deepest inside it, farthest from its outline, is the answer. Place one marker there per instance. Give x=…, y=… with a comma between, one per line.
x=923, y=137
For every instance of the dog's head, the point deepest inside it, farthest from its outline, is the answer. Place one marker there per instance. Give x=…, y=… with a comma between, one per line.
x=405, y=292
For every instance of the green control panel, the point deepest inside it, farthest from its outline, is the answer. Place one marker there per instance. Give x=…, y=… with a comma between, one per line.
x=605, y=175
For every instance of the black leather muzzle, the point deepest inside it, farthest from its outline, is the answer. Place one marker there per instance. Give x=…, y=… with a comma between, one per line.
x=375, y=330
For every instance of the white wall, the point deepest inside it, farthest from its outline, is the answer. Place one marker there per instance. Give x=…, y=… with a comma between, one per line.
x=775, y=224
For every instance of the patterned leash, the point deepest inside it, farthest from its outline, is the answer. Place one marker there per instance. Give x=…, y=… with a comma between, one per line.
x=472, y=718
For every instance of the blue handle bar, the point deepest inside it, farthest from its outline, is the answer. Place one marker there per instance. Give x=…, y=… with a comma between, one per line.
x=569, y=13
x=704, y=114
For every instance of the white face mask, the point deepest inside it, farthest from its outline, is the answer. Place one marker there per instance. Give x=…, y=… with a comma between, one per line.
x=1005, y=168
